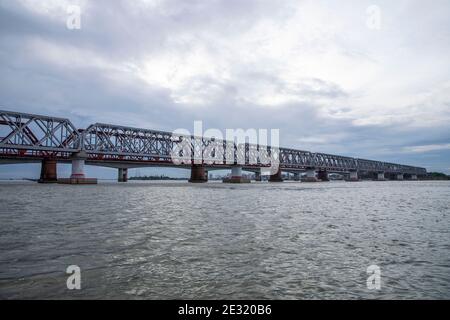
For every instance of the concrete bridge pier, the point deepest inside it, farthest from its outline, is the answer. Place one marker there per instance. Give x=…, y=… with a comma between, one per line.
x=413, y=177
x=122, y=175
x=399, y=176
x=353, y=176
x=236, y=176
x=78, y=169
x=78, y=176
x=323, y=175
x=296, y=176
x=198, y=174
x=48, y=171
x=310, y=175
x=258, y=175
x=276, y=177
x=380, y=176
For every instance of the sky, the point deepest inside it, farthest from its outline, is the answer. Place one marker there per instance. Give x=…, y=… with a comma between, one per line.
x=368, y=79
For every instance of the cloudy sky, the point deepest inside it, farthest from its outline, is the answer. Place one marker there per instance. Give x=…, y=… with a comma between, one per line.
x=361, y=78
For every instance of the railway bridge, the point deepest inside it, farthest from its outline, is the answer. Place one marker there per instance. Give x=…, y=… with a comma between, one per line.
x=49, y=140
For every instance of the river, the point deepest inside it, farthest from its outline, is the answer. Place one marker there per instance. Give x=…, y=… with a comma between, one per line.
x=174, y=240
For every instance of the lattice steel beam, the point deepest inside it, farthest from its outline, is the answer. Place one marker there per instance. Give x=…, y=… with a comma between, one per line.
x=34, y=135
x=22, y=131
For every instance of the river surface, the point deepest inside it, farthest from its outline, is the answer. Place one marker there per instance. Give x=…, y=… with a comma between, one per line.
x=174, y=240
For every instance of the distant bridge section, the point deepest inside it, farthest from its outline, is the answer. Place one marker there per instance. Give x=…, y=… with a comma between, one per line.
x=28, y=137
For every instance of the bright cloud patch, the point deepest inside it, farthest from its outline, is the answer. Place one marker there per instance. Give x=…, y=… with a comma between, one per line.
x=314, y=69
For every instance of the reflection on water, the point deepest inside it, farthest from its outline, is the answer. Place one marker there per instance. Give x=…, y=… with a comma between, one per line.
x=216, y=241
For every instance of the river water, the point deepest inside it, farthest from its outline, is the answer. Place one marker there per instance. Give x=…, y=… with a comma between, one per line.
x=167, y=240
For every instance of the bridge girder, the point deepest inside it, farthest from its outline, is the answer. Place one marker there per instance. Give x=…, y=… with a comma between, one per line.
x=28, y=136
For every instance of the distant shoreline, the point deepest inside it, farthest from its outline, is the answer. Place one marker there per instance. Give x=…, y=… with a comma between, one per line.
x=153, y=178
x=431, y=176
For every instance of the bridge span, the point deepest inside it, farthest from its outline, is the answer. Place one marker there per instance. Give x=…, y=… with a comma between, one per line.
x=49, y=140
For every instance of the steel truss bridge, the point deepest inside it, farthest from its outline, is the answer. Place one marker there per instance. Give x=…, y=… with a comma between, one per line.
x=28, y=137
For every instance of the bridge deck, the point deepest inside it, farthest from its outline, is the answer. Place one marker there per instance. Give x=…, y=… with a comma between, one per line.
x=29, y=137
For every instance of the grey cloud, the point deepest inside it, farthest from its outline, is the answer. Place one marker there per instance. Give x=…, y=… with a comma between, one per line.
x=117, y=32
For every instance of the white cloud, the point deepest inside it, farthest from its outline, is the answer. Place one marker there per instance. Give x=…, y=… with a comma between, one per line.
x=427, y=148
x=310, y=68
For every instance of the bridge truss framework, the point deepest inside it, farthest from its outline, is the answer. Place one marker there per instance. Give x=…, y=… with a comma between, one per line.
x=29, y=137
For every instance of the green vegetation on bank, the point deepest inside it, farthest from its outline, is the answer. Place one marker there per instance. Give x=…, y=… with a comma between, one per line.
x=161, y=177
x=437, y=176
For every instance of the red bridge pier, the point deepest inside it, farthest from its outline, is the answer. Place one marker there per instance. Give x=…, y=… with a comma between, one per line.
x=198, y=174
x=48, y=171
x=323, y=175
x=276, y=177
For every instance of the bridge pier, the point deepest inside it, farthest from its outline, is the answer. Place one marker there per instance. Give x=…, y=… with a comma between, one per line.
x=198, y=174
x=122, y=175
x=323, y=175
x=276, y=177
x=48, y=171
x=380, y=176
x=23, y=132
x=310, y=175
x=399, y=176
x=78, y=176
x=258, y=175
x=353, y=176
x=77, y=169
x=296, y=176
x=236, y=176
x=413, y=177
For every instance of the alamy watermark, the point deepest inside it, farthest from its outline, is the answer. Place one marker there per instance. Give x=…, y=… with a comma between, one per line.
x=74, y=280
x=374, y=279
x=373, y=20
x=73, y=21
x=235, y=147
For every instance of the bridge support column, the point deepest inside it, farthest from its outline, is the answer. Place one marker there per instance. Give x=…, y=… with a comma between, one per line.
x=122, y=175
x=78, y=176
x=258, y=176
x=323, y=175
x=310, y=175
x=380, y=176
x=413, y=177
x=353, y=176
x=198, y=174
x=296, y=176
x=236, y=176
x=48, y=171
x=399, y=176
x=276, y=177
x=77, y=169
